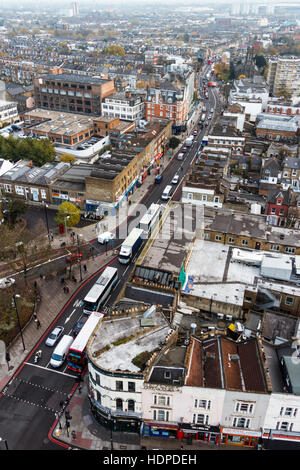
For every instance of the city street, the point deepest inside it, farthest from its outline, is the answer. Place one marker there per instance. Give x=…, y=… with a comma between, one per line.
x=32, y=397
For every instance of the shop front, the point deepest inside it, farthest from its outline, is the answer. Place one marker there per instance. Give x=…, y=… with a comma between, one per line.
x=115, y=420
x=159, y=429
x=240, y=437
x=195, y=432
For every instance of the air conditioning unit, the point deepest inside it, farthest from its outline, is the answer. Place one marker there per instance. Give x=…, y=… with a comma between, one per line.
x=229, y=317
x=220, y=316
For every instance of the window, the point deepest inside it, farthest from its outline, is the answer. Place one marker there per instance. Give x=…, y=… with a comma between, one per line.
x=289, y=249
x=161, y=415
x=130, y=405
x=230, y=240
x=19, y=190
x=242, y=407
x=289, y=300
x=131, y=386
x=119, y=385
x=206, y=236
x=43, y=194
x=218, y=238
x=200, y=419
x=241, y=422
x=245, y=242
x=8, y=188
x=275, y=247
x=119, y=404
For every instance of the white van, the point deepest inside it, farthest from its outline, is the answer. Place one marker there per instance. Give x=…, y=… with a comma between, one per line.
x=166, y=194
x=60, y=352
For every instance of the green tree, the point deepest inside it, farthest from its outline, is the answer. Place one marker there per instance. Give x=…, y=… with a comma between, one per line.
x=114, y=50
x=285, y=93
x=174, y=142
x=67, y=214
x=260, y=61
x=67, y=158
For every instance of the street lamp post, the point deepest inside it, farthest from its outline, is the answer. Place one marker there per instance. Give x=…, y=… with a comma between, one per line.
x=79, y=235
x=15, y=302
x=47, y=224
x=66, y=217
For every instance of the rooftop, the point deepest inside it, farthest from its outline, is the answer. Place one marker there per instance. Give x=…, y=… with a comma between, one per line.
x=118, y=341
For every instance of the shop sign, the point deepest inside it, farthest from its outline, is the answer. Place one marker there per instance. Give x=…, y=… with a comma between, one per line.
x=241, y=432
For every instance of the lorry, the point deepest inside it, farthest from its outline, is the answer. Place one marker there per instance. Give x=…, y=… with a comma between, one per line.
x=130, y=245
x=189, y=141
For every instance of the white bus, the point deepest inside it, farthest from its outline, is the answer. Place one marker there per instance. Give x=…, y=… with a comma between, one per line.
x=166, y=194
x=150, y=219
x=100, y=290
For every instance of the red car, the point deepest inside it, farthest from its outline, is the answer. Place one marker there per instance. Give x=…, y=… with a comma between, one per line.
x=74, y=258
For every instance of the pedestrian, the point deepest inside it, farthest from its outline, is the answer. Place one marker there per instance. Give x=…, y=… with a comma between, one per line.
x=38, y=324
x=67, y=289
x=62, y=280
x=85, y=268
x=41, y=276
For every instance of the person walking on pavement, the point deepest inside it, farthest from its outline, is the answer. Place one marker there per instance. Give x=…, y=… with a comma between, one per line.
x=85, y=268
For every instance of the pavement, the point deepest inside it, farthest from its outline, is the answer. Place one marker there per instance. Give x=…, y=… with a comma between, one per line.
x=87, y=433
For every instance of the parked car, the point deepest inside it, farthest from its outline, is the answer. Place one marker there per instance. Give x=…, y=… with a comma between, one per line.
x=79, y=325
x=6, y=282
x=54, y=336
x=175, y=179
x=105, y=237
x=180, y=156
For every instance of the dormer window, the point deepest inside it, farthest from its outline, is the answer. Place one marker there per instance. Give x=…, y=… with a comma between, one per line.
x=279, y=202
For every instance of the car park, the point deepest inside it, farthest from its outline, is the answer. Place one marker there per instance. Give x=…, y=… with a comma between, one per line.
x=54, y=336
x=175, y=179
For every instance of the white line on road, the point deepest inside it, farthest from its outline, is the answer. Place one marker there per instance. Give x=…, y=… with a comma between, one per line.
x=68, y=318
x=48, y=368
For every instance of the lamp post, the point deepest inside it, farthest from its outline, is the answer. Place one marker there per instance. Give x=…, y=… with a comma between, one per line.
x=66, y=217
x=15, y=302
x=79, y=235
x=47, y=224
x=5, y=442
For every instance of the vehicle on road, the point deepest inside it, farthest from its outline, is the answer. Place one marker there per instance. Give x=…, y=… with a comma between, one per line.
x=175, y=179
x=184, y=149
x=130, y=246
x=105, y=237
x=79, y=325
x=54, y=336
x=6, y=282
x=180, y=156
x=76, y=351
x=150, y=219
x=167, y=193
x=60, y=352
x=100, y=290
x=189, y=141
x=158, y=179
x=203, y=117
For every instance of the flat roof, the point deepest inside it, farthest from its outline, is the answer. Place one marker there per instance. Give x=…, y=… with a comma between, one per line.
x=75, y=78
x=169, y=244
x=118, y=357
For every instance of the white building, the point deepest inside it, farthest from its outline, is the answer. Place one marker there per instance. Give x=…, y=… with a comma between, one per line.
x=124, y=106
x=8, y=111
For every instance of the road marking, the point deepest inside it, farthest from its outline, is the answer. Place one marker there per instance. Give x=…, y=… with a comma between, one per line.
x=68, y=318
x=50, y=369
x=77, y=303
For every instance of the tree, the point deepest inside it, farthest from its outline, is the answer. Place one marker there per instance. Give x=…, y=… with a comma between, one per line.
x=67, y=214
x=67, y=158
x=285, y=92
x=13, y=209
x=260, y=61
x=174, y=142
x=114, y=50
